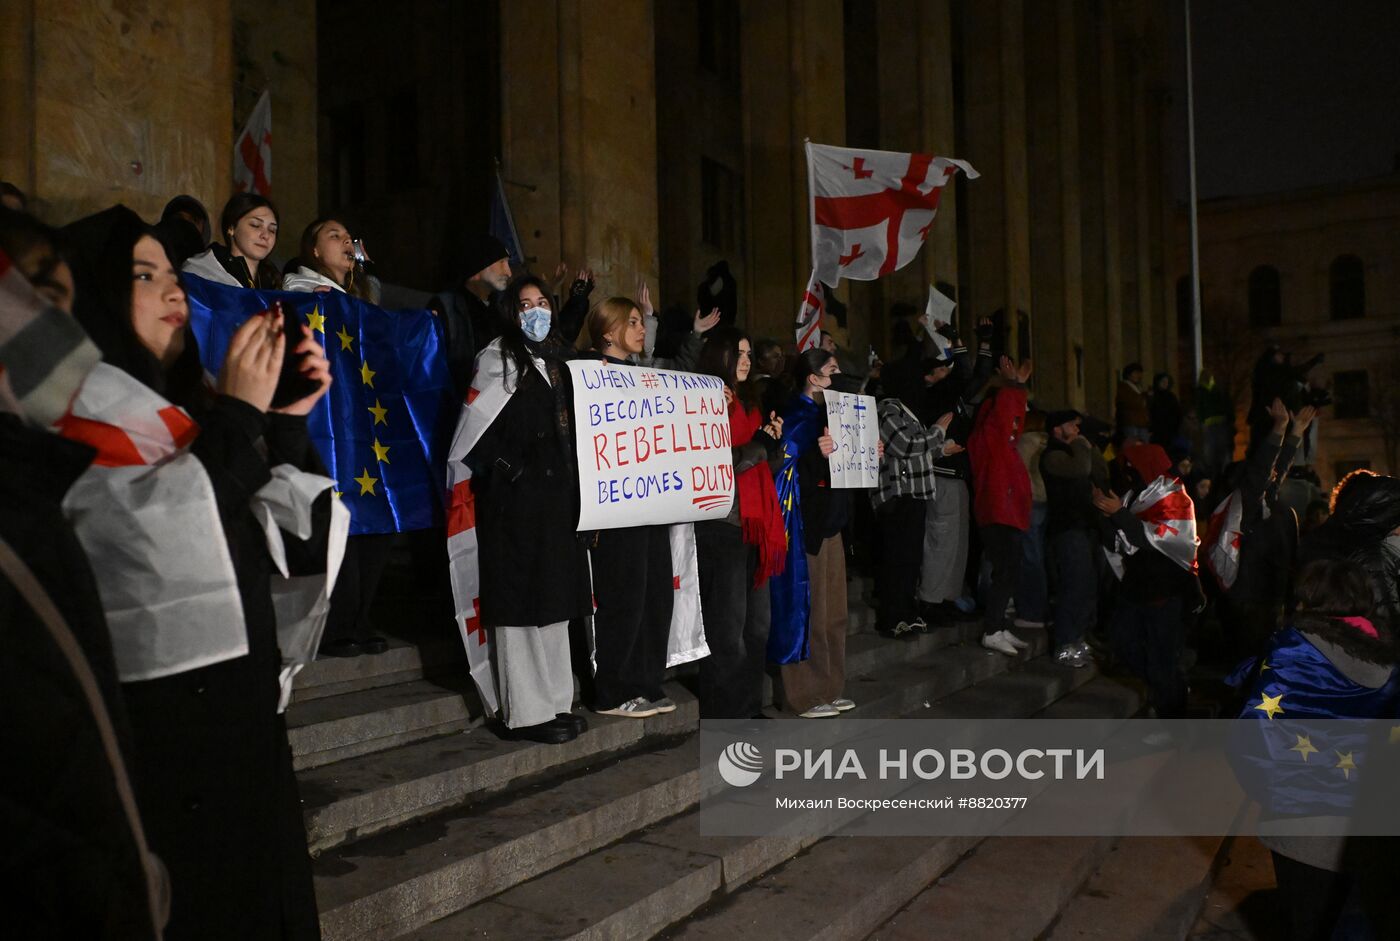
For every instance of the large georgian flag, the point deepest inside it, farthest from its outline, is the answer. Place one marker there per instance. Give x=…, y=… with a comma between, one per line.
x=872, y=209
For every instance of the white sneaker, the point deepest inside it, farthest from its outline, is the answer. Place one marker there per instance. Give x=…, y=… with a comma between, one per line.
x=664, y=705
x=1015, y=641
x=999, y=643
x=824, y=711
x=637, y=708
x=843, y=704
x=1022, y=622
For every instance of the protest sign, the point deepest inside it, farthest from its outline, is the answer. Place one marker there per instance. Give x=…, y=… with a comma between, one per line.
x=653, y=445
x=852, y=421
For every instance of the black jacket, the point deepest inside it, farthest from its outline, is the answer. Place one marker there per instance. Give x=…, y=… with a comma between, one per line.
x=70, y=867
x=1268, y=526
x=1069, y=495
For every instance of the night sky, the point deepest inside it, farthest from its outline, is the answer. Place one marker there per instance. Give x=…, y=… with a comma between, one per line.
x=1288, y=94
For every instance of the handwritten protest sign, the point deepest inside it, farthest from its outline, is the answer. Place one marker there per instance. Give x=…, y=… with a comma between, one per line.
x=854, y=425
x=653, y=446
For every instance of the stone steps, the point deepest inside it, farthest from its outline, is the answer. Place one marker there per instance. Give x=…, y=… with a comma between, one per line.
x=404, y=660
x=386, y=885
x=654, y=879
x=1146, y=889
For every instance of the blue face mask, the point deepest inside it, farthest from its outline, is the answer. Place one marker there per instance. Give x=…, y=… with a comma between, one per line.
x=535, y=322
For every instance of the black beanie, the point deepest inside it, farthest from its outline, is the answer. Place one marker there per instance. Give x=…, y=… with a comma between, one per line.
x=481, y=252
x=1057, y=418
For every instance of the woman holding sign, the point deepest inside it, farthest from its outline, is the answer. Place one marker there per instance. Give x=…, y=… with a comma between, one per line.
x=632, y=578
x=738, y=554
x=533, y=567
x=808, y=634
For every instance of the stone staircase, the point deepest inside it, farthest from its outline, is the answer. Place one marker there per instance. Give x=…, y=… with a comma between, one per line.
x=427, y=825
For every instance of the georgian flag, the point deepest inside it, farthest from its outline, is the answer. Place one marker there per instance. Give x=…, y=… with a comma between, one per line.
x=809, y=314
x=252, y=152
x=486, y=400
x=872, y=209
x=1169, y=518
x=1222, y=540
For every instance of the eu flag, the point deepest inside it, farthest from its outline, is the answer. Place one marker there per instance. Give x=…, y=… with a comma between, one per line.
x=382, y=429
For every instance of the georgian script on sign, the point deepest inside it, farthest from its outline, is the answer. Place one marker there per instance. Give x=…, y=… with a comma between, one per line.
x=853, y=424
x=654, y=446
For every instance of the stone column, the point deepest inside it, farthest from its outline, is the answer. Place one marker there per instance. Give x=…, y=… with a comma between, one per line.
x=580, y=128
x=999, y=227
x=1112, y=349
x=793, y=88
x=122, y=104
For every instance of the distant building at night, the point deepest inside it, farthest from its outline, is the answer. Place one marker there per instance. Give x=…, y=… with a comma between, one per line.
x=1314, y=270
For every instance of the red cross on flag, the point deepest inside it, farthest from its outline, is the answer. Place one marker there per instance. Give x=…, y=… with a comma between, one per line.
x=872, y=209
x=809, y=315
x=252, y=152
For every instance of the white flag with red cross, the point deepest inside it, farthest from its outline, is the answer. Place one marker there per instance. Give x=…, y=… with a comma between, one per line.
x=809, y=314
x=252, y=152
x=872, y=209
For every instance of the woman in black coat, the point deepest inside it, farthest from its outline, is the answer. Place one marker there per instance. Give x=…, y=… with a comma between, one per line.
x=534, y=566
x=212, y=764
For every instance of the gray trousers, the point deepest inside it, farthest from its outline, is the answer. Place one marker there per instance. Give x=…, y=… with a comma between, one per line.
x=532, y=666
x=945, y=542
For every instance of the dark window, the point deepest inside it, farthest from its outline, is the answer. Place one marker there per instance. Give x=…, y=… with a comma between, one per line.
x=719, y=202
x=348, y=164
x=1347, y=280
x=1351, y=394
x=1184, y=327
x=1265, y=297
x=402, y=160
x=718, y=29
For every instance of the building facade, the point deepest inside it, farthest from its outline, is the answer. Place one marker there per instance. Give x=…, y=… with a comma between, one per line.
x=1314, y=271
x=648, y=139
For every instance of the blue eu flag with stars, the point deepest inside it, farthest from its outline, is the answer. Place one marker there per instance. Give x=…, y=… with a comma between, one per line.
x=382, y=429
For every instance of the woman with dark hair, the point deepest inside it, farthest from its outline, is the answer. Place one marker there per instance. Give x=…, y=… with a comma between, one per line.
x=183, y=228
x=249, y=226
x=738, y=554
x=212, y=764
x=1332, y=662
x=808, y=632
x=533, y=565
x=1365, y=528
x=632, y=573
x=326, y=262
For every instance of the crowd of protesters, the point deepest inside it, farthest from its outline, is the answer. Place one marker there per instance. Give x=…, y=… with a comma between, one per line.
x=176, y=809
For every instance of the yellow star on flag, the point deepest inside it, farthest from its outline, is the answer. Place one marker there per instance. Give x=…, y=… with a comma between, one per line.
x=336, y=494
x=366, y=483
x=1265, y=667
x=317, y=321
x=1346, y=765
x=345, y=338
x=367, y=375
x=379, y=412
x=381, y=451
x=1304, y=747
x=1270, y=704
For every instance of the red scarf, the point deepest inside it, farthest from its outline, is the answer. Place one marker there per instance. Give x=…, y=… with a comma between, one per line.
x=759, y=515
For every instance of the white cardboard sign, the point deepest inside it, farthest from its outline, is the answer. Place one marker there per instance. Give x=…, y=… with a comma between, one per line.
x=853, y=423
x=653, y=446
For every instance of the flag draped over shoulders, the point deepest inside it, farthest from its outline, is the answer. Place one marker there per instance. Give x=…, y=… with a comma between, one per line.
x=383, y=428
x=791, y=591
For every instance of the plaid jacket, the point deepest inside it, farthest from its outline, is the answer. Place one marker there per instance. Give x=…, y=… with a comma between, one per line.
x=910, y=450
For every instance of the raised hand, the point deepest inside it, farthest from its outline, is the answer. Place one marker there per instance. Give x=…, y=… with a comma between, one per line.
x=1006, y=368
x=1279, y=413
x=1023, y=372
x=706, y=322
x=315, y=366
x=1303, y=419
x=644, y=298
x=254, y=361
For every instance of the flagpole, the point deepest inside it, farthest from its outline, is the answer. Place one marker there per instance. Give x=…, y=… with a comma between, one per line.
x=1195, y=229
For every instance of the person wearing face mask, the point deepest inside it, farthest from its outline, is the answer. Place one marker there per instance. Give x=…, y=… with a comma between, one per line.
x=516, y=439
x=249, y=226
x=808, y=632
x=326, y=262
x=737, y=555
x=212, y=764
